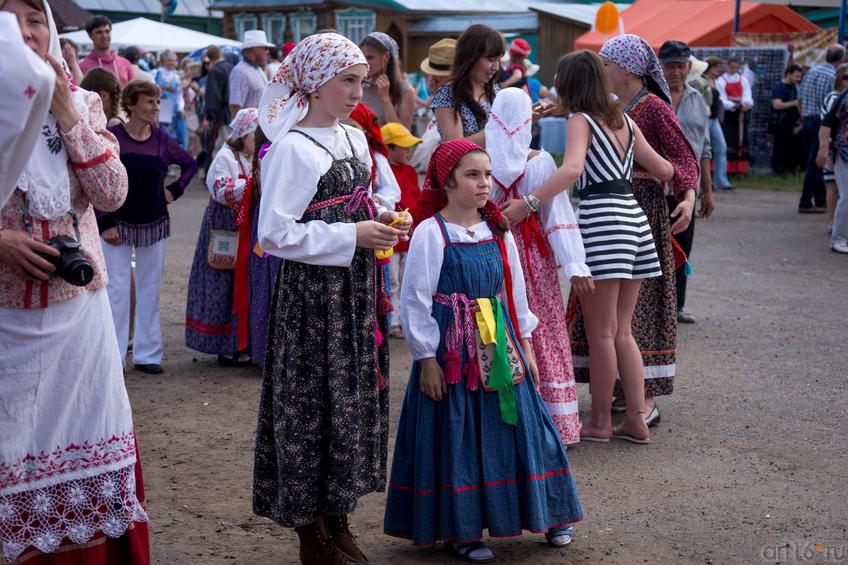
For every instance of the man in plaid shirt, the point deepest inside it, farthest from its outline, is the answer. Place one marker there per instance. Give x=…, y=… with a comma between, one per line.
x=817, y=83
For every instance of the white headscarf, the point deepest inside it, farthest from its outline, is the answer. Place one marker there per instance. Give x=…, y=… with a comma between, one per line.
x=508, y=134
x=46, y=180
x=313, y=62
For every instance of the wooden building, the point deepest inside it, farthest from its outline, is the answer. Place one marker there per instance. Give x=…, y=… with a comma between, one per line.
x=414, y=24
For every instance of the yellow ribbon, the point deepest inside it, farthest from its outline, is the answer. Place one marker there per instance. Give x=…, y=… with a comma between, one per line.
x=486, y=321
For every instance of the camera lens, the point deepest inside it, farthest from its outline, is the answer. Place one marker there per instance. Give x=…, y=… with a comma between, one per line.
x=76, y=270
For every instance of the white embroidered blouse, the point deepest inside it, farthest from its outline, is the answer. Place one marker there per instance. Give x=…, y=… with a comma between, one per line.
x=421, y=279
x=290, y=173
x=556, y=216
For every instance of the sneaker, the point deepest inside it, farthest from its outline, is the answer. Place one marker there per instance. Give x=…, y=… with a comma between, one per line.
x=559, y=537
x=728, y=188
x=839, y=247
x=811, y=210
x=150, y=368
x=684, y=317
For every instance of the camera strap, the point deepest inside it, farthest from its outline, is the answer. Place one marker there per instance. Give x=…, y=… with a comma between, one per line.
x=25, y=216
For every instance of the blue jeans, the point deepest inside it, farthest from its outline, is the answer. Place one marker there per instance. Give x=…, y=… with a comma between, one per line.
x=813, y=180
x=719, y=146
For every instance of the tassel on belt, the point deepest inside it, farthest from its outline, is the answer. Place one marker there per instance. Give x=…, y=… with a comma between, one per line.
x=461, y=333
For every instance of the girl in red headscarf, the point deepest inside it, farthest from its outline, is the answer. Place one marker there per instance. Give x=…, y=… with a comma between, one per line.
x=476, y=447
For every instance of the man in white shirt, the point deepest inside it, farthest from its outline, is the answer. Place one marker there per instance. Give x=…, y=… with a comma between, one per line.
x=248, y=79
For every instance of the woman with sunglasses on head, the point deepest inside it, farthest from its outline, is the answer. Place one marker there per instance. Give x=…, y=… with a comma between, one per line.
x=389, y=95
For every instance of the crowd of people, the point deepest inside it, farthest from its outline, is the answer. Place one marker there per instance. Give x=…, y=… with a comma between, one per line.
x=318, y=245
x=810, y=130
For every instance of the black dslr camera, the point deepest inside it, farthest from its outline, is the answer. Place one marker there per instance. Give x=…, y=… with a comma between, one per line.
x=71, y=263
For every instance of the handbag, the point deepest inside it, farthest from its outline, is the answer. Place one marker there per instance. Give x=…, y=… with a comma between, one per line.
x=487, y=348
x=223, y=248
x=223, y=244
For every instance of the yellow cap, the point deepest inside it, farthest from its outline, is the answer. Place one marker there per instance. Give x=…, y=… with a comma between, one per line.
x=395, y=134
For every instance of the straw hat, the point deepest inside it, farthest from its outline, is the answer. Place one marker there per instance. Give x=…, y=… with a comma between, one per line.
x=440, y=59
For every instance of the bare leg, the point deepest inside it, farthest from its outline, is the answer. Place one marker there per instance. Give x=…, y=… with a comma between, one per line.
x=630, y=362
x=599, y=310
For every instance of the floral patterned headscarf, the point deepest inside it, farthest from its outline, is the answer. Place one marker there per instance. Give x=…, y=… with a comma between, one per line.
x=634, y=54
x=245, y=123
x=313, y=62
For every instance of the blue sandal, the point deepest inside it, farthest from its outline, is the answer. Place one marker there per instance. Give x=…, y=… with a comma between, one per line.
x=472, y=552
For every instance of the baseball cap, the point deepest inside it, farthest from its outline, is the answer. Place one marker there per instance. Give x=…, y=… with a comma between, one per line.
x=674, y=51
x=395, y=134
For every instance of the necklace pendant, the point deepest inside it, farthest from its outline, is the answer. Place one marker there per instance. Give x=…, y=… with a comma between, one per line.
x=470, y=233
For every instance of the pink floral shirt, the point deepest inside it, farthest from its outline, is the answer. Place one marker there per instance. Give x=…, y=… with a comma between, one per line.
x=97, y=178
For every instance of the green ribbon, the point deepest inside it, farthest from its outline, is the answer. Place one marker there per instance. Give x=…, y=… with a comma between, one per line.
x=501, y=375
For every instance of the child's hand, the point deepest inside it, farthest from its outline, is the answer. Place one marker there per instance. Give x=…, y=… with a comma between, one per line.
x=433, y=379
x=583, y=286
x=374, y=235
x=527, y=346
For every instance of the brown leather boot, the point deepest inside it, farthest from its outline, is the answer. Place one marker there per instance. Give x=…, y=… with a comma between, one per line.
x=317, y=548
x=343, y=539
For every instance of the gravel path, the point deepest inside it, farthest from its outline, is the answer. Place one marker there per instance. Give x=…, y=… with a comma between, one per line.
x=748, y=465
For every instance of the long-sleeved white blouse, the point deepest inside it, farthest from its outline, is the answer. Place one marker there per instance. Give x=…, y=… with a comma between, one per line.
x=421, y=279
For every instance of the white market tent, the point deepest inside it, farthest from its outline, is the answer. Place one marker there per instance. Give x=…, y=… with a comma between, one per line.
x=153, y=36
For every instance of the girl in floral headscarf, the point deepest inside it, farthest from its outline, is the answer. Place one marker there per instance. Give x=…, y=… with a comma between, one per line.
x=476, y=447
x=211, y=325
x=323, y=418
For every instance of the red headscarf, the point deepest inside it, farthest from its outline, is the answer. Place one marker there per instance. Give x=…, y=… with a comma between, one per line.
x=366, y=119
x=433, y=198
x=442, y=163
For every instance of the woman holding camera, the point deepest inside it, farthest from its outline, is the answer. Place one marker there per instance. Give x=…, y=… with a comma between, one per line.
x=142, y=225
x=70, y=479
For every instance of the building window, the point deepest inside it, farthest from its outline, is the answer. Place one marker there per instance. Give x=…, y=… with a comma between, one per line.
x=303, y=24
x=355, y=24
x=274, y=25
x=244, y=22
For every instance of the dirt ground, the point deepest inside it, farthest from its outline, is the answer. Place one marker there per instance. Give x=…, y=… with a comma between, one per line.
x=748, y=465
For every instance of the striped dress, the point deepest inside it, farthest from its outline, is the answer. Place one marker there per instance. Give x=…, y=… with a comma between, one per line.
x=615, y=231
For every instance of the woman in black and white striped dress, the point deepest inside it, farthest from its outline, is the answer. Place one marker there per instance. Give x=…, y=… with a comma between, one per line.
x=601, y=144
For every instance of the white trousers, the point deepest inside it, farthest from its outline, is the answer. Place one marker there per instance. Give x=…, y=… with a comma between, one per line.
x=149, y=266
x=397, y=264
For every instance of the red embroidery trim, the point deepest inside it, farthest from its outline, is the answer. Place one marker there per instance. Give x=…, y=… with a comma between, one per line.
x=68, y=459
x=449, y=486
x=93, y=162
x=509, y=132
x=561, y=227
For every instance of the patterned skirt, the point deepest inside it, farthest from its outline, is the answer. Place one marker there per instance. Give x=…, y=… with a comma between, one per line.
x=550, y=339
x=655, y=317
x=262, y=275
x=210, y=322
x=323, y=419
